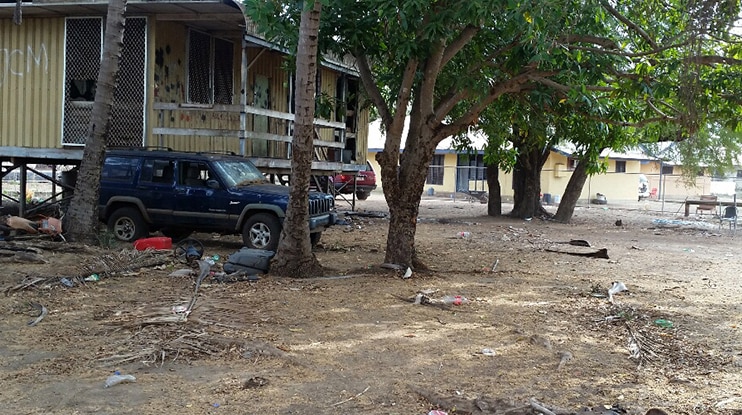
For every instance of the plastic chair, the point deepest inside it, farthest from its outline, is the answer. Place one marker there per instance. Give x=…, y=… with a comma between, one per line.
x=729, y=216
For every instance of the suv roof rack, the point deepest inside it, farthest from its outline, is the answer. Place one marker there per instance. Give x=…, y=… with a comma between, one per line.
x=141, y=148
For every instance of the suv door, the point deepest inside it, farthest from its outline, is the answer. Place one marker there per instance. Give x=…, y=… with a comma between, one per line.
x=200, y=198
x=155, y=183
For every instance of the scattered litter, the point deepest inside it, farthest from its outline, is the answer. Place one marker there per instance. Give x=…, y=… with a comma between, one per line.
x=117, y=378
x=494, y=266
x=183, y=272
x=664, y=323
x=464, y=235
x=42, y=313
x=67, y=282
x=92, y=278
x=454, y=299
x=156, y=242
x=616, y=288
x=407, y=274
x=488, y=352
x=437, y=412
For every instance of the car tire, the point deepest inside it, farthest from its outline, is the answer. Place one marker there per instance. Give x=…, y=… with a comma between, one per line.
x=362, y=195
x=127, y=224
x=176, y=234
x=261, y=231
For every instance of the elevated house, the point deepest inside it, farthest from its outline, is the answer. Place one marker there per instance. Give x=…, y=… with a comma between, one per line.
x=195, y=75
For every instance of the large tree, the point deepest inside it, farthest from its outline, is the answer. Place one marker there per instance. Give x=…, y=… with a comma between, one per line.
x=294, y=256
x=442, y=63
x=81, y=221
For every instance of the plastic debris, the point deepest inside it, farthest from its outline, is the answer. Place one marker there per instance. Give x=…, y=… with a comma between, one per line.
x=488, y=352
x=664, y=323
x=117, y=378
x=408, y=273
x=616, y=288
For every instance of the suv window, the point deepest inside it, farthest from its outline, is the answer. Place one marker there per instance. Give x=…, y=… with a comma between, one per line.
x=193, y=174
x=238, y=173
x=157, y=171
x=120, y=169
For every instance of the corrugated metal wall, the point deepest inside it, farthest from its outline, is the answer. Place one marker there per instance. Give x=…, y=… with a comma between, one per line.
x=31, y=73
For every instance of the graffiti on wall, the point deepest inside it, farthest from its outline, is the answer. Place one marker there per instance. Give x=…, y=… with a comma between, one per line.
x=19, y=62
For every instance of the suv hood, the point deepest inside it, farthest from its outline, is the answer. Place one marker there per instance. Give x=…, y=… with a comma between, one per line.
x=272, y=189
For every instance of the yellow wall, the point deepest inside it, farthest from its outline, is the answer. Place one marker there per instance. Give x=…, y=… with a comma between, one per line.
x=31, y=74
x=555, y=176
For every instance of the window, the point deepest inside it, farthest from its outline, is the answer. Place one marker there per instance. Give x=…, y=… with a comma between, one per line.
x=474, y=164
x=120, y=169
x=666, y=169
x=210, y=62
x=157, y=171
x=739, y=174
x=620, y=166
x=435, y=171
x=572, y=163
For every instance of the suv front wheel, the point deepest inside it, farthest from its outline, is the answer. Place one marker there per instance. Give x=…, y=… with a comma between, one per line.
x=261, y=231
x=127, y=224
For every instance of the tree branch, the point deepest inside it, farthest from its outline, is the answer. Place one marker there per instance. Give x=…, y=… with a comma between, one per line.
x=644, y=35
x=462, y=40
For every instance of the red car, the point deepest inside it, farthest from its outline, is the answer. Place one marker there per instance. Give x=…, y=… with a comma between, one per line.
x=365, y=183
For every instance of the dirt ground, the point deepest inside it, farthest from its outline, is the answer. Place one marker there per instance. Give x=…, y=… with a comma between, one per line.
x=537, y=323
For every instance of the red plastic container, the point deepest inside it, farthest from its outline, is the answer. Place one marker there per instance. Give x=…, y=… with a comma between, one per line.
x=158, y=242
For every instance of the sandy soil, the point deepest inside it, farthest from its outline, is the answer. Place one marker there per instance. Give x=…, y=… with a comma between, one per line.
x=538, y=325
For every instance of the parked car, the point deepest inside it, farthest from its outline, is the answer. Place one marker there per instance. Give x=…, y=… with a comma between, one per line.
x=365, y=182
x=177, y=193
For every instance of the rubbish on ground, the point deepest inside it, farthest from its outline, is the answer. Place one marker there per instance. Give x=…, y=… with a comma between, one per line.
x=44, y=225
x=67, y=282
x=663, y=323
x=488, y=352
x=115, y=379
x=454, y=299
x=616, y=288
x=157, y=242
x=464, y=235
x=619, y=222
x=408, y=273
x=189, y=250
x=92, y=278
x=42, y=313
x=252, y=261
x=437, y=412
x=494, y=266
x=600, y=253
x=576, y=242
x=183, y=272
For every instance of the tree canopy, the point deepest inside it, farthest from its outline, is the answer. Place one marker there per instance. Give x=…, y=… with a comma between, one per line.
x=444, y=63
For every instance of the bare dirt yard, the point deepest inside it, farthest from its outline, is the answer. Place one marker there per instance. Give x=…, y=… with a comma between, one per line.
x=537, y=324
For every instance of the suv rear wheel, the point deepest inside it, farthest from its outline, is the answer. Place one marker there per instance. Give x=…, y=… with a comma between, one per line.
x=261, y=231
x=360, y=195
x=127, y=224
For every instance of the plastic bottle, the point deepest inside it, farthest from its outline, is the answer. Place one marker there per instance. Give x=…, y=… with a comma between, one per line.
x=454, y=299
x=118, y=378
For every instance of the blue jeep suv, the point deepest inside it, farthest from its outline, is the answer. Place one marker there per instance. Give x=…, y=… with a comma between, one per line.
x=177, y=193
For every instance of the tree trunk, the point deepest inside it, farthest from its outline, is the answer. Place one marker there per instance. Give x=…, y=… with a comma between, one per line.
x=527, y=183
x=403, y=189
x=494, y=202
x=572, y=194
x=81, y=221
x=294, y=257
